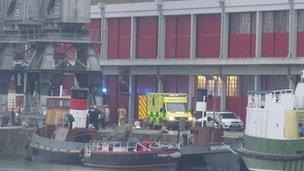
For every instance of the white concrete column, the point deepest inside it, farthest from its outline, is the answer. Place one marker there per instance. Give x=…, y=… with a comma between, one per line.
x=132, y=98
x=103, y=32
x=291, y=80
x=193, y=34
x=293, y=24
x=258, y=34
x=161, y=30
x=224, y=31
x=160, y=84
x=257, y=83
x=133, y=38
x=223, y=92
x=192, y=87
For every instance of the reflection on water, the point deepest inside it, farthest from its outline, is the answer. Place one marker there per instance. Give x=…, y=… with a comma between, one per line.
x=33, y=166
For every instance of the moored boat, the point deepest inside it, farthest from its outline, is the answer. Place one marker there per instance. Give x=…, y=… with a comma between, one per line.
x=119, y=155
x=274, y=130
x=43, y=149
x=58, y=141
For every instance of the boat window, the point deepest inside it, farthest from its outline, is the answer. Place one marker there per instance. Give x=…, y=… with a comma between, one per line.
x=57, y=102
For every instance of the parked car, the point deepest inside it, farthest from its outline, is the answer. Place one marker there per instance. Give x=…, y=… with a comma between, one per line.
x=229, y=120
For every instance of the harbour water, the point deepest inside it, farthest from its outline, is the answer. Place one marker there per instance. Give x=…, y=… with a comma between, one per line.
x=22, y=165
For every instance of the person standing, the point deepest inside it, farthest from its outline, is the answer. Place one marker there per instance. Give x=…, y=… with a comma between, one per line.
x=122, y=115
x=13, y=117
x=102, y=117
x=95, y=118
x=71, y=119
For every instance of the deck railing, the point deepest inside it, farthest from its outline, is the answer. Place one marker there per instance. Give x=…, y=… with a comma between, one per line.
x=130, y=146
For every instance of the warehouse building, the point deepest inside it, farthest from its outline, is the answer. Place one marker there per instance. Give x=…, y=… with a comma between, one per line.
x=228, y=47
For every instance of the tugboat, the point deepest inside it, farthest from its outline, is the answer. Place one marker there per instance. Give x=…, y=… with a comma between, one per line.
x=274, y=130
x=56, y=142
x=137, y=155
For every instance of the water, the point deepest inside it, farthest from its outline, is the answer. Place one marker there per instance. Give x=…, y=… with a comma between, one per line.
x=9, y=165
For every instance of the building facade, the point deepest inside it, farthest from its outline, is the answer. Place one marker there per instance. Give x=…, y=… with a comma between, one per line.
x=228, y=47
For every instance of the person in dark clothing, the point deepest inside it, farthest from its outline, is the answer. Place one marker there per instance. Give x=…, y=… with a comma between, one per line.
x=88, y=120
x=93, y=115
x=71, y=119
x=13, y=118
x=18, y=121
x=101, y=118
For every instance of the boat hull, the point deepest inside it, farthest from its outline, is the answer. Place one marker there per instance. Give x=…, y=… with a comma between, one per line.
x=119, y=160
x=42, y=149
x=273, y=155
x=60, y=157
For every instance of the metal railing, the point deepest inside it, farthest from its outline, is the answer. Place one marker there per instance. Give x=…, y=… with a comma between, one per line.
x=99, y=146
x=50, y=35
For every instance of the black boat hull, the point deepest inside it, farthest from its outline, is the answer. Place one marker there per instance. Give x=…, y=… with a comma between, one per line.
x=120, y=160
x=43, y=149
x=50, y=156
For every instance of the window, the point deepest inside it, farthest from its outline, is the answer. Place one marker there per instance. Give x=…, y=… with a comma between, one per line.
x=275, y=21
x=201, y=82
x=232, y=82
x=212, y=84
x=242, y=23
x=301, y=21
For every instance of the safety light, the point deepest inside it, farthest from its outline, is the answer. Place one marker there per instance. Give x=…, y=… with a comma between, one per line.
x=104, y=90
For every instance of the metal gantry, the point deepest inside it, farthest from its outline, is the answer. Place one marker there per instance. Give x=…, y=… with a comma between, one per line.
x=40, y=42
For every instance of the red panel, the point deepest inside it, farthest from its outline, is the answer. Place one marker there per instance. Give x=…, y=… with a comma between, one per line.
x=242, y=45
x=78, y=104
x=281, y=44
x=112, y=89
x=94, y=29
x=68, y=83
x=113, y=43
x=268, y=44
x=237, y=104
x=170, y=37
x=146, y=37
x=124, y=38
x=146, y=84
x=300, y=49
x=214, y=104
x=208, y=36
x=183, y=36
x=115, y=98
x=275, y=34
